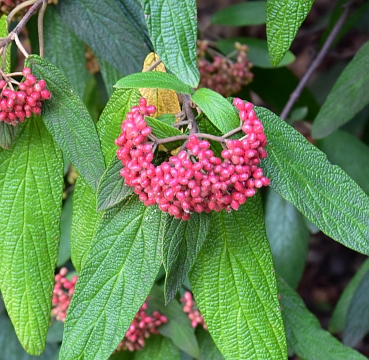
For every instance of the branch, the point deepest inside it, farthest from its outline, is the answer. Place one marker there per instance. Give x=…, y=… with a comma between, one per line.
x=297, y=92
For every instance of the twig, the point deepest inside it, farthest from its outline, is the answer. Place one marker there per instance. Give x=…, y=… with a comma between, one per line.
x=20, y=46
x=153, y=65
x=297, y=92
x=40, y=26
x=18, y=8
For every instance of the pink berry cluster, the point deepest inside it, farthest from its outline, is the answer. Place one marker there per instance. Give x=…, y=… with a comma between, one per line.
x=194, y=180
x=16, y=106
x=192, y=311
x=222, y=74
x=141, y=328
x=63, y=292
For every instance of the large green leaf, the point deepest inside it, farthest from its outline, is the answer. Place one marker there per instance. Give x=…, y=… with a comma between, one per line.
x=305, y=336
x=349, y=153
x=65, y=226
x=64, y=50
x=109, y=74
x=158, y=347
x=235, y=288
x=339, y=315
x=154, y=80
x=348, y=96
x=69, y=122
x=247, y=13
x=324, y=193
x=288, y=237
x=182, y=243
x=218, y=110
x=107, y=31
x=173, y=30
x=120, y=269
x=31, y=188
x=284, y=18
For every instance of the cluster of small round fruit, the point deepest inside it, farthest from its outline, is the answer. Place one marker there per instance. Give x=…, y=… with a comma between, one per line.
x=6, y=6
x=194, y=180
x=222, y=74
x=190, y=308
x=16, y=106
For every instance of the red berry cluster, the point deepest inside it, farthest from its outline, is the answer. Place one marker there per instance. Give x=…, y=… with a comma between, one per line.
x=141, y=328
x=63, y=292
x=194, y=180
x=16, y=106
x=192, y=311
x=223, y=75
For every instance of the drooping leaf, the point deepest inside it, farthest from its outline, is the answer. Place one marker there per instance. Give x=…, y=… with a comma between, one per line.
x=208, y=350
x=324, y=193
x=69, y=122
x=304, y=334
x=234, y=286
x=111, y=190
x=288, y=237
x=247, y=13
x=158, y=347
x=31, y=188
x=283, y=19
x=218, y=110
x=182, y=243
x=178, y=328
x=258, y=51
x=339, y=315
x=121, y=266
x=107, y=31
x=12, y=349
x=64, y=50
x=65, y=226
x=153, y=80
x=347, y=97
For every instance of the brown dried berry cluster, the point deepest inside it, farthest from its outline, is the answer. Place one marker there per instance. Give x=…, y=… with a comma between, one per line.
x=16, y=106
x=222, y=74
x=194, y=180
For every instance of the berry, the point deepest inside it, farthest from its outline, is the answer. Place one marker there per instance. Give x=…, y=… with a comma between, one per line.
x=193, y=313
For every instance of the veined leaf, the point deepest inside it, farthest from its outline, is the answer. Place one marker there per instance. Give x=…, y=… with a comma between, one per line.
x=182, y=243
x=3, y=34
x=107, y=31
x=31, y=188
x=247, y=13
x=69, y=122
x=288, y=237
x=348, y=96
x=153, y=80
x=109, y=74
x=324, y=193
x=305, y=335
x=218, y=110
x=115, y=280
x=235, y=288
x=173, y=30
x=64, y=50
x=283, y=19
x=158, y=347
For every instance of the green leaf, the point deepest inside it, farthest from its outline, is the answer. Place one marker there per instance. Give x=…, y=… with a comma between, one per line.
x=178, y=328
x=288, y=237
x=247, y=13
x=8, y=133
x=111, y=190
x=357, y=319
x=31, y=188
x=235, y=288
x=154, y=80
x=208, y=350
x=107, y=31
x=258, y=51
x=284, y=18
x=348, y=96
x=69, y=122
x=305, y=335
x=173, y=30
x=115, y=280
x=168, y=119
x=158, y=347
x=324, y=193
x=12, y=349
x=65, y=226
x=109, y=74
x=3, y=34
x=182, y=243
x=349, y=153
x=64, y=50
x=162, y=131
x=218, y=110
x=339, y=315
